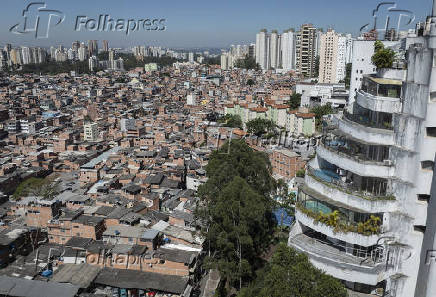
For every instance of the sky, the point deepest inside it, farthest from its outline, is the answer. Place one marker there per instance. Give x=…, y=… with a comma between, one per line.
x=194, y=23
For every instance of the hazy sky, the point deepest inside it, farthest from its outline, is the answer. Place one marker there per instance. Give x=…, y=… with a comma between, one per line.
x=198, y=23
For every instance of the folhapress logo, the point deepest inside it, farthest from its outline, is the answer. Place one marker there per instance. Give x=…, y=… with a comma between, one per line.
x=38, y=19
x=388, y=16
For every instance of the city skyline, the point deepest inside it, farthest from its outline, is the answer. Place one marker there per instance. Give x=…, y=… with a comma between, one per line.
x=198, y=24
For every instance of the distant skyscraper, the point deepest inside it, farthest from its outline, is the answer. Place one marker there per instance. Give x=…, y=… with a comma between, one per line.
x=332, y=57
x=191, y=57
x=75, y=46
x=274, y=49
x=252, y=51
x=391, y=35
x=262, y=49
x=288, y=50
x=83, y=52
x=306, y=50
x=93, y=63
x=92, y=47
x=25, y=52
x=349, y=48
x=105, y=46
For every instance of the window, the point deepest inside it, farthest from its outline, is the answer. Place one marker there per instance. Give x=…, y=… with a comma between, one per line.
x=431, y=131
x=427, y=165
x=423, y=197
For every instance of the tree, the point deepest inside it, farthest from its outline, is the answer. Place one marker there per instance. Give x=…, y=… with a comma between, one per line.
x=34, y=186
x=291, y=274
x=300, y=173
x=260, y=126
x=247, y=63
x=231, y=121
x=320, y=111
x=295, y=101
x=383, y=57
x=236, y=210
x=240, y=160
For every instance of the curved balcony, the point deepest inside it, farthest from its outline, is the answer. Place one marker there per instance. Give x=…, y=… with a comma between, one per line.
x=347, y=196
x=337, y=263
x=354, y=163
x=350, y=237
x=368, y=134
x=378, y=103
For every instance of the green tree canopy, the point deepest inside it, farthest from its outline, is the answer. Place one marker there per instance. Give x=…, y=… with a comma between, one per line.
x=231, y=121
x=44, y=187
x=383, y=57
x=236, y=210
x=290, y=274
x=247, y=63
x=260, y=126
x=241, y=160
x=320, y=111
x=294, y=101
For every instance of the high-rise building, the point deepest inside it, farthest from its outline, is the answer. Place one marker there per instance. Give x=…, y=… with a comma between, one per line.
x=288, y=50
x=27, y=57
x=105, y=46
x=365, y=213
x=306, y=50
x=93, y=63
x=191, y=57
x=332, y=57
x=349, y=48
x=262, y=49
x=274, y=49
x=75, y=46
x=252, y=51
x=391, y=35
x=83, y=52
x=92, y=48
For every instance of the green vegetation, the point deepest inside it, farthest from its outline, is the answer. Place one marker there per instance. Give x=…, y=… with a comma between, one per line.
x=44, y=187
x=212, y=60
x=347, y=78
x=340, y=224
x=295, y=101
x=231, y=121
x=130, y=61
x=236, y=211
x=53, y=67
x=250, y=82
x=300, y=172
x=247, y=63
x=383, y=57
x=260, y=127
x=320, y=111
x=291, y=274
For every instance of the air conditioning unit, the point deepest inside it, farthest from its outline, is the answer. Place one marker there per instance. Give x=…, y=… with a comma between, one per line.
x=387, y=162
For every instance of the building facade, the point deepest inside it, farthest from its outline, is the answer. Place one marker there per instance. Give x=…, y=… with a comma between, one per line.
x=361, y=214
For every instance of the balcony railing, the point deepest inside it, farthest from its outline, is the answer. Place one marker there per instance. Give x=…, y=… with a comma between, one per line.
x=353, y=255
x=338, y=147
x=332, y=179
x=360, y=119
